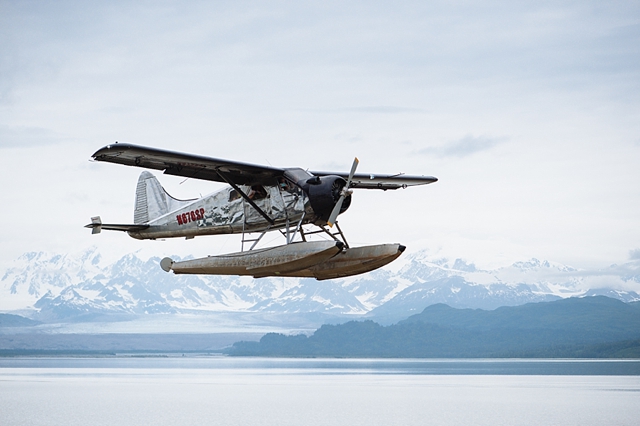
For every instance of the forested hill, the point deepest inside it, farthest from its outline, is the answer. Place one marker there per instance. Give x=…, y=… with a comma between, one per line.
x=10, y=320
x=579, y=327
x=598, y=314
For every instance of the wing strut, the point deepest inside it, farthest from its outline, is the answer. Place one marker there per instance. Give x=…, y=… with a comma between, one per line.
x=246, y=197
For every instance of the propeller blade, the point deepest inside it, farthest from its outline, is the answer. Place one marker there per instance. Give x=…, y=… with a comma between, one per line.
x=354, y=166
x=336, y=209
x=335, y=212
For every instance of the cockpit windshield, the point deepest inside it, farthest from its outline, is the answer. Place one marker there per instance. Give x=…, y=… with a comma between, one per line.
x=296, y=174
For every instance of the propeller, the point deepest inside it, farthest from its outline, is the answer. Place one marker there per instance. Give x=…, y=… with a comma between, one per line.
x=345, y=191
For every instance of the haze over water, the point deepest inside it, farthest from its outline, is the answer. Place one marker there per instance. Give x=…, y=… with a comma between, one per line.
x=231, y=391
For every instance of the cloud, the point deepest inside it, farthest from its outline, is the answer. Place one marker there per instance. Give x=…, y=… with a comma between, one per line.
x=608, y=282
x=22, y=136
x=377, y=109
x=634, y=254
x=464, y=147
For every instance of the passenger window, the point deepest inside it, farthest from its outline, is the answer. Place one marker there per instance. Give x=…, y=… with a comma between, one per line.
x=233, y=195
x=257, y=192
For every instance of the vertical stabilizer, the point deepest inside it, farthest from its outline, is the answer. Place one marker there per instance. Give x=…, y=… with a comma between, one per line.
x=152, y=201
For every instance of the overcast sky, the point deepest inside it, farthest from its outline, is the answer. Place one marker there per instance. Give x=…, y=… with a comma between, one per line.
x=527, y=112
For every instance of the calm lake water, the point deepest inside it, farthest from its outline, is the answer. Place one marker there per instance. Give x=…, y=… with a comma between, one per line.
x=258, y=391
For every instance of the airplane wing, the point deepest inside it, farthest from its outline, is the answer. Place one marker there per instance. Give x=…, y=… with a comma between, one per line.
x=384, y=182
x=208, y=168
x=187, y=165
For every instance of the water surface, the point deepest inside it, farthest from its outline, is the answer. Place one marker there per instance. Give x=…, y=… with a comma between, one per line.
x=259, y=391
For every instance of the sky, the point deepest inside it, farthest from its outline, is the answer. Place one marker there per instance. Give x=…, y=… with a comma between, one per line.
x=527, y=112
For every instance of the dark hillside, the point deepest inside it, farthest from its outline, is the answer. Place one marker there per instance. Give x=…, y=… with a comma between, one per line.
x=587, y=327
x=598, y=315
x=10, y=320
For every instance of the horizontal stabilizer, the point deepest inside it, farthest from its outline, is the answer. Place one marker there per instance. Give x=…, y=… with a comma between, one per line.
x=97, y=226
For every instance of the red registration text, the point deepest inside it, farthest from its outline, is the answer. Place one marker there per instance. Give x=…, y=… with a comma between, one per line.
x=191, y=216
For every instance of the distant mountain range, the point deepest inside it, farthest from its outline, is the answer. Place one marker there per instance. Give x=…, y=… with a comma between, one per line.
x=85, y=287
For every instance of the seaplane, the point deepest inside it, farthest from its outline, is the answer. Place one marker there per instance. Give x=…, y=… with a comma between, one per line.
x=302, y=205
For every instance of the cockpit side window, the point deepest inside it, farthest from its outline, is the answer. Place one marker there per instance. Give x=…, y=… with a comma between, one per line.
x=284, y=184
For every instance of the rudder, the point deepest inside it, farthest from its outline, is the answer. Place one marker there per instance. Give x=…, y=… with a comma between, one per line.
x=152, y=201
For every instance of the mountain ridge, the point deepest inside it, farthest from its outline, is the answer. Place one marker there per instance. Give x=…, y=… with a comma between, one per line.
x=54, y=287
x=577, y=327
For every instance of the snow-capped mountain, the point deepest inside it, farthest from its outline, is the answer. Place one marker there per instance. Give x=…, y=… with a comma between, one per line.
x=85, y=285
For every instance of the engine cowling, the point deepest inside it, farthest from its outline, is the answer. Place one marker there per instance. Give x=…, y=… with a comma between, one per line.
x=323, y=193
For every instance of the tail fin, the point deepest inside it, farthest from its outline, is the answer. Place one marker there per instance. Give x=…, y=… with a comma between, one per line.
x=96, y=225
x=152, y=201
